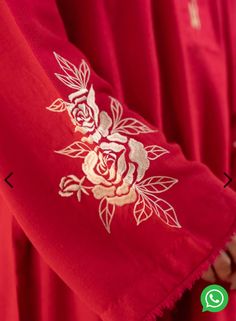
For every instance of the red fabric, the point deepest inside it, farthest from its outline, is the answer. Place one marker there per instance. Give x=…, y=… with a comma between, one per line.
x=172, y=80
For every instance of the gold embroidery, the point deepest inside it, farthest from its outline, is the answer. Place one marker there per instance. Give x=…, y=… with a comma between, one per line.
x=194, y=14
x=114, y=164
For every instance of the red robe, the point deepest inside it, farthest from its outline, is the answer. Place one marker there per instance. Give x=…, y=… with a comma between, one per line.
x=118, y=123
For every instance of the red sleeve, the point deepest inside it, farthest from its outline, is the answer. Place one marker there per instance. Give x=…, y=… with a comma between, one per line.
x=120, y=214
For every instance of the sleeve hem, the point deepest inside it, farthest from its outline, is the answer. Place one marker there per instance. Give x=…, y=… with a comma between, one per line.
x=135, y=303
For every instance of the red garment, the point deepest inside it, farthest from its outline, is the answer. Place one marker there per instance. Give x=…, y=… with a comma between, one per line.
x=125, y=218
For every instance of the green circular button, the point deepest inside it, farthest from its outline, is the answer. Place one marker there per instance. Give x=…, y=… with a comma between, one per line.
x=214, y=298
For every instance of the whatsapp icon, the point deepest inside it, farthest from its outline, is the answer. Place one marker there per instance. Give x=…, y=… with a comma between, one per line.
x=214, y=298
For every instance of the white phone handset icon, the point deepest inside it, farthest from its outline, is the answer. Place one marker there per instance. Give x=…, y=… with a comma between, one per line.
x=214, y=300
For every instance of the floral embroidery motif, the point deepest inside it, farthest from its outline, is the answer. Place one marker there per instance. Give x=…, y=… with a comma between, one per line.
x=194, y=14
x=114, y=163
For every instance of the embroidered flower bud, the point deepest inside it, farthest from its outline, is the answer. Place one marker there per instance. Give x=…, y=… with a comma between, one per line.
x=69, y=185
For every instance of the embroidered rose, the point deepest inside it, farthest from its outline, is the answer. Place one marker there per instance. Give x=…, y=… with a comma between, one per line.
x=84, y=114
x=113, y=175
x=115, y=168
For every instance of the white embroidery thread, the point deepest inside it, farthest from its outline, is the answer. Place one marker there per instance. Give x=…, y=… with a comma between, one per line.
x=194, y=14
x=114, y=164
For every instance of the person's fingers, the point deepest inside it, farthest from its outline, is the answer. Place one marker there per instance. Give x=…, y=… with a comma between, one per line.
x=232, y=280
x=231, y=247
x=209, y=276
x=222, y=266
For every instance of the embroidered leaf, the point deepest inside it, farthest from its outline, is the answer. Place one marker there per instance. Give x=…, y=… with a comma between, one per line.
x=156, y=184
x=154, y=151
x=116, y=110
x=84, y=74
x=74, y=78
x=66, y=65
x=106, y=213
x=58, y=106
x=142, y=209
x=69, y=81
x=75, y=150
x=131, y=126
x=166, y=213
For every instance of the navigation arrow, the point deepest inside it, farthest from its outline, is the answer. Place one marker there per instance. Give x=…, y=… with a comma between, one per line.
x=229, y=180
x=6, y=180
